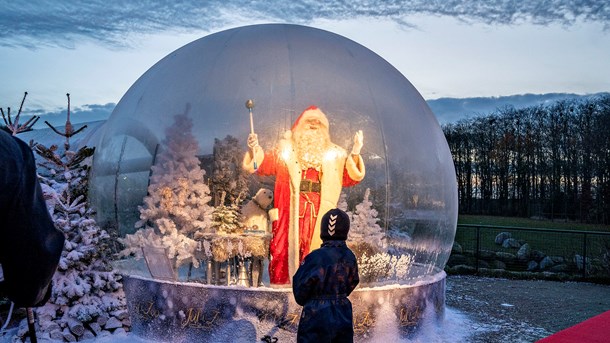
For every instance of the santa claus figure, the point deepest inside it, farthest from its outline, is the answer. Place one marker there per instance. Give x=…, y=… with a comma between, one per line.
x=310, y=172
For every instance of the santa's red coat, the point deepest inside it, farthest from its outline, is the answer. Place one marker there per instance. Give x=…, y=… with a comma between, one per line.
x=338, y=170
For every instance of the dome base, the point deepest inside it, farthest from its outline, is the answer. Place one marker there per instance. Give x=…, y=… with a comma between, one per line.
x=188, y=312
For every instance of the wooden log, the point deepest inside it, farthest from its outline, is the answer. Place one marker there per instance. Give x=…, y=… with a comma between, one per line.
x=75, y=326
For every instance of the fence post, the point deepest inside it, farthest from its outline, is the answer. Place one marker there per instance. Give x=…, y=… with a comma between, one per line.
x=584, y=255
x=478, y=252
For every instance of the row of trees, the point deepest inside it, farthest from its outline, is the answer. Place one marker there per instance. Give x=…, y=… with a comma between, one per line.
x=548, y=161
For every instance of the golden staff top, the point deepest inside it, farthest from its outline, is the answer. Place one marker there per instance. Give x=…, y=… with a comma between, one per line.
x=250, y=106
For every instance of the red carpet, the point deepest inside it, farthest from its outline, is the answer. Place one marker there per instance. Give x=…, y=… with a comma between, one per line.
x=593, y=330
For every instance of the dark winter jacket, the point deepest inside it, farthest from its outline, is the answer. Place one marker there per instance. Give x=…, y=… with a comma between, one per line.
x=30, y=246
x=321, y=285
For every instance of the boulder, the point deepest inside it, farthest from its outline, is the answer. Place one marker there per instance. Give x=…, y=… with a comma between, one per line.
x=506, y=257
x=546, y=263
x=113, y=323
x=502, y=236
x=511, y=243
x=524, y=252
x=532, y=266
x=538, y=255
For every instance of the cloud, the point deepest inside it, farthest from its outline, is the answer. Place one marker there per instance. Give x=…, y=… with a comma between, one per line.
x=84, y=114
x=110, y=22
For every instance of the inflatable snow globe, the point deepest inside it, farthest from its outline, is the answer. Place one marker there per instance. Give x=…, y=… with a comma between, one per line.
x=218, y=164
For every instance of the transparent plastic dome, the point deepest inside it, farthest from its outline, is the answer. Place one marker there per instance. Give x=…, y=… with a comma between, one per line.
x=286, y=69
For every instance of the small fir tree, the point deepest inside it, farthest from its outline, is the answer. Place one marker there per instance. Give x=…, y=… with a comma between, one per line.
x=364, y=227
x=85, y=286
x=226, y=218
x=176, y=208
x=228, y=177
x=12, y=126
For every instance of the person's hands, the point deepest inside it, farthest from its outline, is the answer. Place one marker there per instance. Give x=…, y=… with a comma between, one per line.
x=358, y=142
x=252, y=140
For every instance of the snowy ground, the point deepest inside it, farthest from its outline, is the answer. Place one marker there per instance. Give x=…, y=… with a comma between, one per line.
x=488, y=310
x=456, y=328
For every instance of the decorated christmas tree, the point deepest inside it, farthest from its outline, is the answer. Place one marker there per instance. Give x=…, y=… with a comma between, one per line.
x=87, y=295
x=176, y=208
x=226, y=218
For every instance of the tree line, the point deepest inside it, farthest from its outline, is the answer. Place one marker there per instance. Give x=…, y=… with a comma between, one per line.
x=550, y=161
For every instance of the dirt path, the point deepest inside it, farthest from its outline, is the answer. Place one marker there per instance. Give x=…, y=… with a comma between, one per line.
x=523, y=310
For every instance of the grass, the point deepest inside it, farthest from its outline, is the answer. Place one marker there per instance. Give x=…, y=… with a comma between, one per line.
x=551, y=243
x=530, y=223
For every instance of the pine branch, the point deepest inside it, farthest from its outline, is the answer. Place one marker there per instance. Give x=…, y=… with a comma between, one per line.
x=13, y=127
x=68, y=128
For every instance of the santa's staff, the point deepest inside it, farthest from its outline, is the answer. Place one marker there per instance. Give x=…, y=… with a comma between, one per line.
x=250, y=106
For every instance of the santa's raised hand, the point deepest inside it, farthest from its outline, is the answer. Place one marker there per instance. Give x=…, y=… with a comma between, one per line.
x=358, y=142
x=252, y=140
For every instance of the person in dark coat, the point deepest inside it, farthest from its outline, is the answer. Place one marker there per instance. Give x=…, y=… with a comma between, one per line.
x=30, y=245
x=326, y=277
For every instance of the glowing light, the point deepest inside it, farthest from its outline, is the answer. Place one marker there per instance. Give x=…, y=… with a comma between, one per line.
x=285, y=153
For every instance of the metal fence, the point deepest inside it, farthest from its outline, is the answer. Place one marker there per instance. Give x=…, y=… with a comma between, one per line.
x=531, y=253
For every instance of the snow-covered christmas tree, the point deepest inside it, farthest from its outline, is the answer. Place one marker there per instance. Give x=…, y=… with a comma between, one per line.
x=87, y=296
x=176, y=208
x=368, y=241
x=364, y=228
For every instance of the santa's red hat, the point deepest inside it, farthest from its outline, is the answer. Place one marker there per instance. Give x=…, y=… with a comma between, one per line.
x=311, y=112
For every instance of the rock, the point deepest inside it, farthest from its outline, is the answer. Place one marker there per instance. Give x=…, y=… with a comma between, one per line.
x=487, y=254
x=102, y=319
x=506, y=257
x=538, y=255
x=104, y=333
x=126, y=322
x=532, y=265
x=511, y=243
x=48, y=326
x=559, y=268
x=95, y=327
x=87, y=335
x=456, y=259
x=463, y=269
x=495, y=264
x=456, y=248
x=120, y=314
x=483, y=264
x=120, y=332
x=558, y=259
x=546, y=263
x=68, y=336
x=113, y=323
x=502, y=236
x=524, y=252
x=56, y=335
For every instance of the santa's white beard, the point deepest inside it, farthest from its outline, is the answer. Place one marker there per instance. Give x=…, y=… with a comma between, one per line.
x=311, y=145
